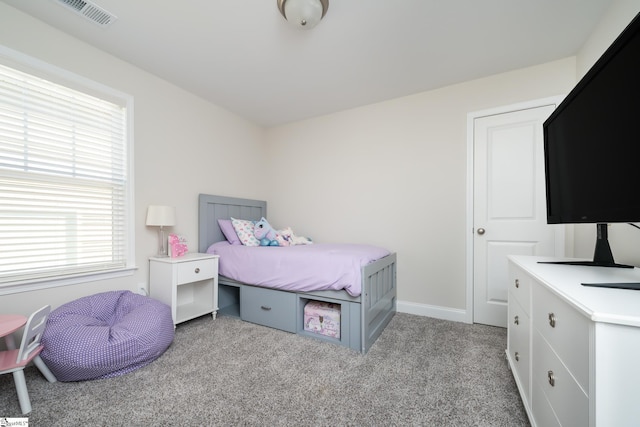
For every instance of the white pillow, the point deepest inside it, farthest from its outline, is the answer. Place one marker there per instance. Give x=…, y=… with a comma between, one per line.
x=244, y=230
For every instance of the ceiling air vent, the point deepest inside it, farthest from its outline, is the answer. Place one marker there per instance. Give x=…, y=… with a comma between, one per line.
x=91, y=11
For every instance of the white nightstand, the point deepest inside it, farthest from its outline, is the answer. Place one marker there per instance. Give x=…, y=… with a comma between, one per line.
x=188, y=284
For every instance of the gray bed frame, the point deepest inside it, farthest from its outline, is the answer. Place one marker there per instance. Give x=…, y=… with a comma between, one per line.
x=363, y=318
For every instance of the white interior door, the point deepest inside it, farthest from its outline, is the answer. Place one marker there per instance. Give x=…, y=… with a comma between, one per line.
x=509, y=204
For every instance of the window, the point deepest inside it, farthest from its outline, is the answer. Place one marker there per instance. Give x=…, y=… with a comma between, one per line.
x=65, y=181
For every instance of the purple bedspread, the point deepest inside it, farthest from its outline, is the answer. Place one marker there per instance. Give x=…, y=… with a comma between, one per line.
x=304, y=268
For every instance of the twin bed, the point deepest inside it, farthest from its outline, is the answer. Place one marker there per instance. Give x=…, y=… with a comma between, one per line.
x=365, y=294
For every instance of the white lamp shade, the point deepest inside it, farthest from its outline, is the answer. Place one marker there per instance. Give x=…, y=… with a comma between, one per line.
x=304, y=14
x=161, y=215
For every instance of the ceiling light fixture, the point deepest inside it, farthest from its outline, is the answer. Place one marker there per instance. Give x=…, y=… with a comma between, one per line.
x=304, y=14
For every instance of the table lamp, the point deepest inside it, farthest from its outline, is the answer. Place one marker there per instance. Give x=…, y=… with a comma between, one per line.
x=161, y=216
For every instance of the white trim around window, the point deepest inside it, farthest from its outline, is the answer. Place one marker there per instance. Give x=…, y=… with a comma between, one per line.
x=66, y=177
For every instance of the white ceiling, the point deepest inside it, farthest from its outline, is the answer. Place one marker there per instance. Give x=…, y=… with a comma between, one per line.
x=243, y=56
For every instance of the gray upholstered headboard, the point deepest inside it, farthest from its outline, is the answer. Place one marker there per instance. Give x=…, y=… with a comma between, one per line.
x=212, y=208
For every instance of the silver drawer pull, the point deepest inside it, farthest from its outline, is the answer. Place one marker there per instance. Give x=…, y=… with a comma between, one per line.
x=517, y=356
x=517, y=283
x=552, y=320
x=197, y=270
x=551, y=378
x=264, y=307
x=516, y=320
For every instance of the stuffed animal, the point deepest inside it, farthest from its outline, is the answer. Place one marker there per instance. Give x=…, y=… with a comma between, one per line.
x=284, y=236
x=177, y=245
x=292, y=239
x=300, y=240
x=265, y=233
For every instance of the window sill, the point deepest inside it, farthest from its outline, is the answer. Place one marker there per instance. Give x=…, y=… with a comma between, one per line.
x=72, y=280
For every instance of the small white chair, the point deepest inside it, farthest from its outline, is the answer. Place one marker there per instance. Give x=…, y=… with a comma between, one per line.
x=14, y=361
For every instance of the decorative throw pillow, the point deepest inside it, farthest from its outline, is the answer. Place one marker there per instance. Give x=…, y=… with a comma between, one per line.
x=244, y=230
x=229, y=232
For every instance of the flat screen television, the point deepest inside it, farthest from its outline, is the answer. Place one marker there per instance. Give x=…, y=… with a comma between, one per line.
x=592, y=146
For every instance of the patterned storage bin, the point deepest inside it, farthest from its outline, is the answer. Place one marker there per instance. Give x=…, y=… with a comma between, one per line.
x=322, y=318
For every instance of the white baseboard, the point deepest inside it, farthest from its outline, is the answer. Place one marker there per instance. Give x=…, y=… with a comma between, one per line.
x=444, y=313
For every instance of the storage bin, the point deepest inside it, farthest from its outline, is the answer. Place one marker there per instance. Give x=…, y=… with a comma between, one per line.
x=322, y=318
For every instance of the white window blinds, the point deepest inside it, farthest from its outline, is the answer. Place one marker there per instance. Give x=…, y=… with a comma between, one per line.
x=63, y=181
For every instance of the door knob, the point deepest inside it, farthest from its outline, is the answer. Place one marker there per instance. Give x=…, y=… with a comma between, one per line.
x=481, y=231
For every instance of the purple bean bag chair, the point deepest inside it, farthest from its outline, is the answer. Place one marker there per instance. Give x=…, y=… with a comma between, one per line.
x=105, y=335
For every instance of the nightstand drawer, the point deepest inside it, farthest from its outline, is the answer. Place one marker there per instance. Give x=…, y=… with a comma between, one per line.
x=194, y=271
x=268, y=307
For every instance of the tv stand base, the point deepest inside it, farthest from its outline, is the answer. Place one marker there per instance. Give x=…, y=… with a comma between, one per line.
x=632, y=286
x=589, y=264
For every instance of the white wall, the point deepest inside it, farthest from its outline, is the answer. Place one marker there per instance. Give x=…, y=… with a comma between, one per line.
x=624, y=239
x=394, y=174
x=183, y=146
x=391, y=174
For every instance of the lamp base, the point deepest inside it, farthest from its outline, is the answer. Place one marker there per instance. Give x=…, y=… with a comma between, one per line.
x=163, y=244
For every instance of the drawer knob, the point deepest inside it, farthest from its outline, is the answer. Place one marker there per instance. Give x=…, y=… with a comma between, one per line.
x=552, y=320
x=516, y=320
x=197, y=270
x=264, y=307
x=517, y=356
x=517, y=283
x=551, y=378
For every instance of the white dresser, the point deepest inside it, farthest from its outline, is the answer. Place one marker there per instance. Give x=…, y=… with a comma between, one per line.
x=574, y=350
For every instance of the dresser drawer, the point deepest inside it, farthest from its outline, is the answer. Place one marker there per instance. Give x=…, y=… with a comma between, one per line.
x=520, y=287
x=518, y=345
x=268, y=307
x=194, y=271
x=543, y=415
x=565, y=329
x=568, y=401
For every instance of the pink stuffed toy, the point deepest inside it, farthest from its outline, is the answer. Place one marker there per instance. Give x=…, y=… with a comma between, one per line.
x=177, y=245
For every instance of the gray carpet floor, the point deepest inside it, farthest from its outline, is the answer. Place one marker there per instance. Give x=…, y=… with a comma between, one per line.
x=420, y=372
